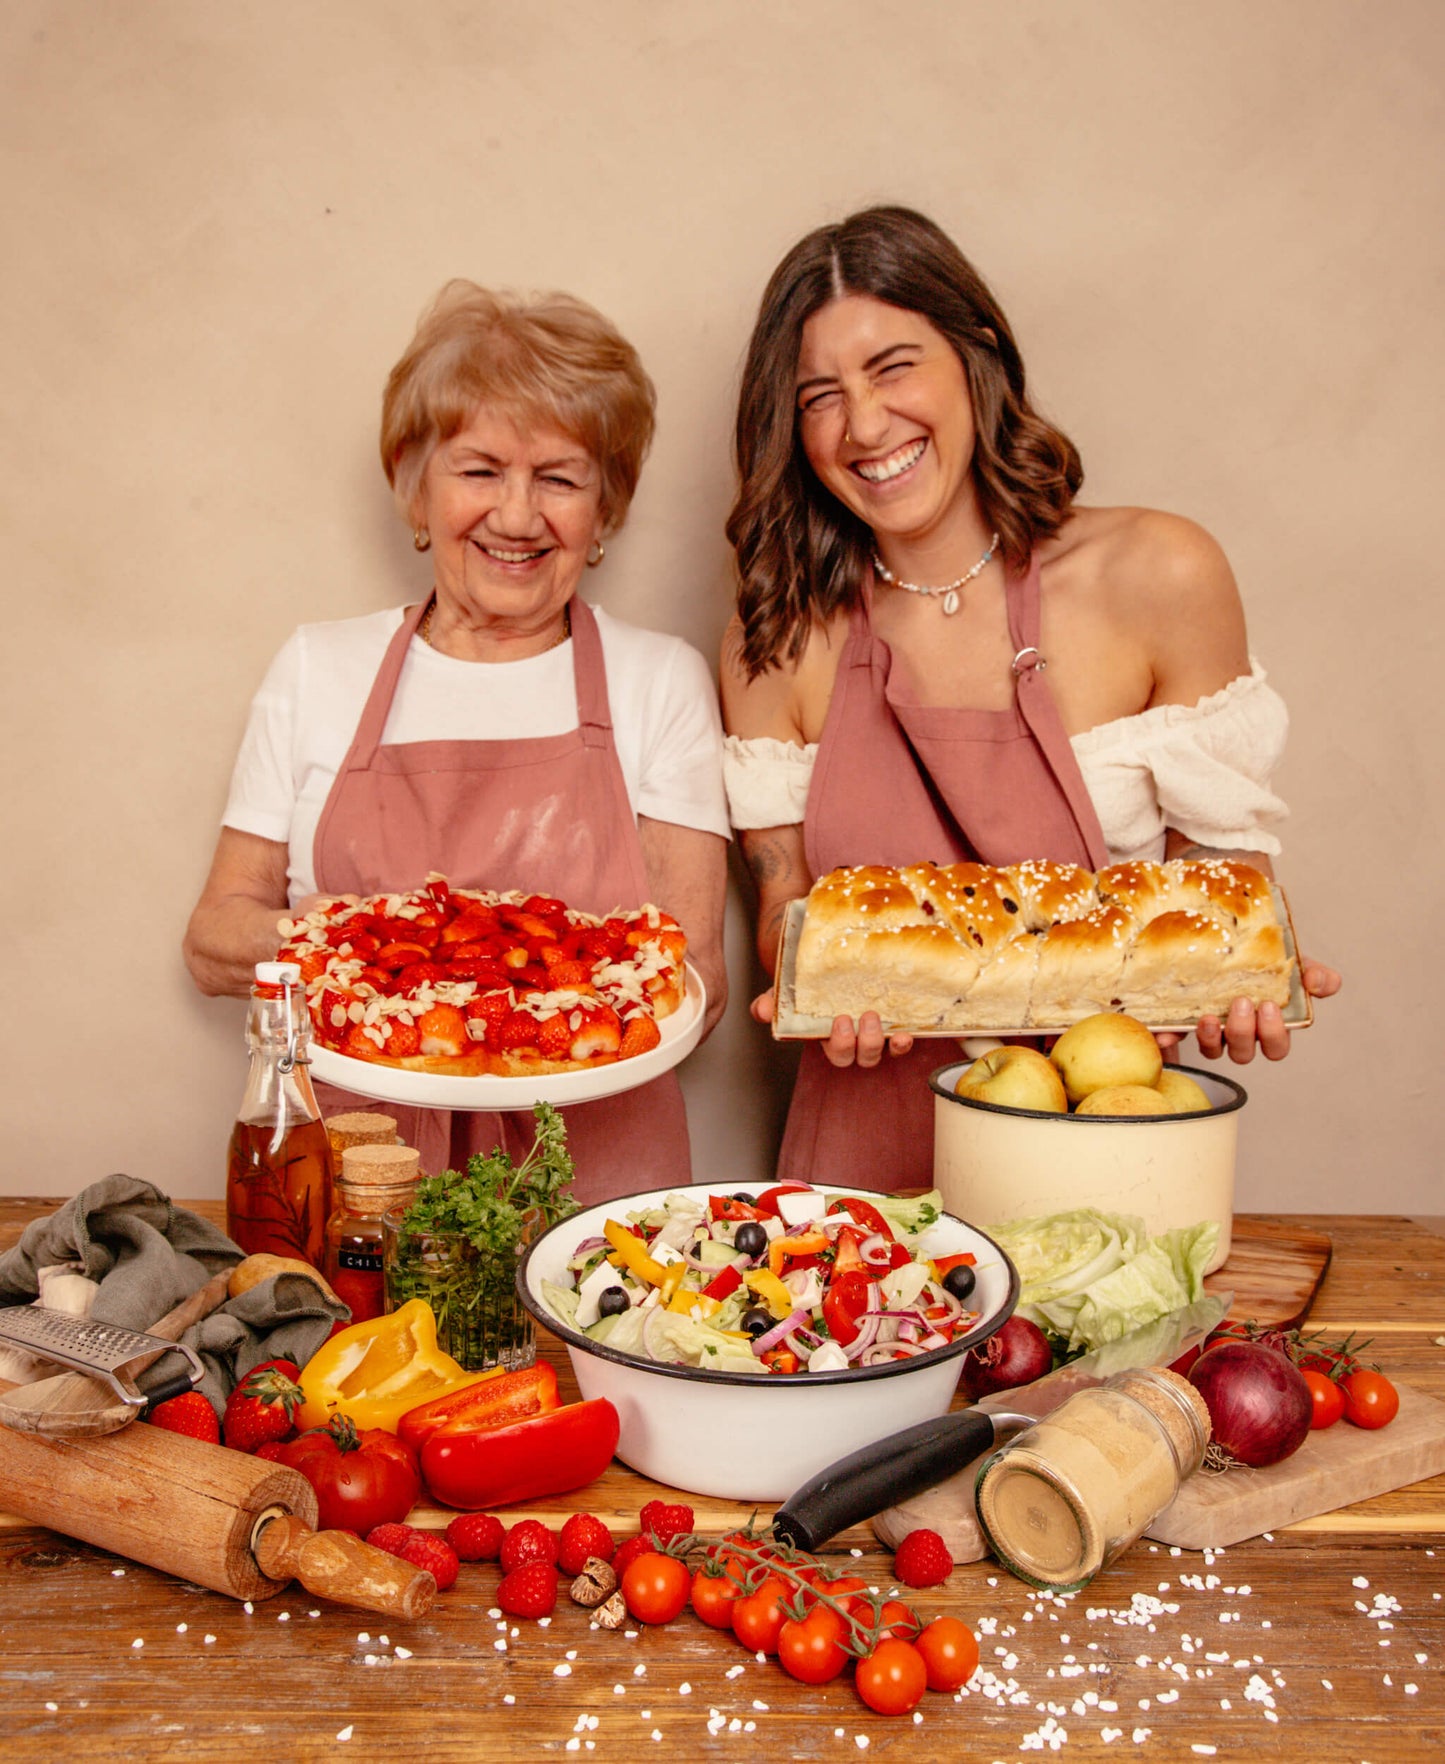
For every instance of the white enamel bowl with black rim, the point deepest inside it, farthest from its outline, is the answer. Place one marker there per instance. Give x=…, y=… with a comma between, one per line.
x=759, y=1436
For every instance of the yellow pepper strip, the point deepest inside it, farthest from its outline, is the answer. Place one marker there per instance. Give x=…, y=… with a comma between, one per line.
x=633, y=1252
x=686, y=1302
x=671, y=1279
x=375, y=1371
x=771, y=1291
x=807, y=1245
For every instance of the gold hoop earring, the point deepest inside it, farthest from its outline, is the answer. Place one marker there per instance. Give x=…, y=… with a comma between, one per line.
x=421, y=539
x=592, y=562
x=848, y=436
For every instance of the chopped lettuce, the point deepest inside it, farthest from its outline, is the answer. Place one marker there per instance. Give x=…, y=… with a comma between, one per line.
x=1090, y=1278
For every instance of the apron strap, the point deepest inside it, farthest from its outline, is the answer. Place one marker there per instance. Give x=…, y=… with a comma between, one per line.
x=589, y=672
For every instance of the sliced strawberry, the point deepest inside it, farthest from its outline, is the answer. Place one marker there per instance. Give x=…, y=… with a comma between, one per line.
x=403, y=1040
x=516, y=1029
x=639, y=1035
x=418, y=974
x=482, y=972
x=398, y=955
x=488, y=1007
x=358, y=1045
x=443, y=1031
x=601, y=1033
x=554, y=1038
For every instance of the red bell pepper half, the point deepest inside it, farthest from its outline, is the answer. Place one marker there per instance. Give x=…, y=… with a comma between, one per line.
x=547, y=1455
x=495, y=1402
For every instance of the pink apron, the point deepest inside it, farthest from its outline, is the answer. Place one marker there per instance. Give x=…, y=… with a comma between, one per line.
x=896, y=782
x=548, y=814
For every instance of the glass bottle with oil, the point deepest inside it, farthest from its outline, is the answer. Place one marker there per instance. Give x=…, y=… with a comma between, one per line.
x=279, y=1174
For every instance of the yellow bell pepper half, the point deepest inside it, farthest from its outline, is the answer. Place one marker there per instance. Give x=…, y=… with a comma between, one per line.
x=770, y=1289
x=634, y=1254
x=375, y=1371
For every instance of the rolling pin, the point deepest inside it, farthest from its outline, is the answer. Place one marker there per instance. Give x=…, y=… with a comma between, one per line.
x=223, y=1519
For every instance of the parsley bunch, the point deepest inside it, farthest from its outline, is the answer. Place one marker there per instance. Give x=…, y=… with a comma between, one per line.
x=459, y=1240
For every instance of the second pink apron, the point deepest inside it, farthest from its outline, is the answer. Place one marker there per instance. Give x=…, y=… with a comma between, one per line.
x=549, y=815
x=896, y=782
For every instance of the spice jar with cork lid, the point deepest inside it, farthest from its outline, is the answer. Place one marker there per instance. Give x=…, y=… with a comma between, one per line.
x=372, y=1179
x=1063, y=1498
x=358, y=1127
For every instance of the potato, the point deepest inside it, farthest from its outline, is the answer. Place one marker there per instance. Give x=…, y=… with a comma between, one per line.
x=255, y=1269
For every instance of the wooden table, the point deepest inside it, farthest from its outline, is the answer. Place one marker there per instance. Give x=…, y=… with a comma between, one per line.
x=1323, y=1642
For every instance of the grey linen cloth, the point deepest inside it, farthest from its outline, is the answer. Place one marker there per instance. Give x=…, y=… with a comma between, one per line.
x=147, y=1255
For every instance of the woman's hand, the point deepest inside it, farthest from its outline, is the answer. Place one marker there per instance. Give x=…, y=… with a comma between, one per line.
x=237, y=920
x=1246, y=1028
x=850, y=1044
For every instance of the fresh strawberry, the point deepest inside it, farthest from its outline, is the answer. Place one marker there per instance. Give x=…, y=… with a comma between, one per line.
x=416, y=975
x=274, y=1448
x=627, y=1554
x=583, y=1536
x=331, y=1012
x=390, y=1537
x=360, y=1044
x=516, y=1029
x=601, y=1033
x=262, y=1406
x=554, y=1037
x=443, y=1031
x=664, y=1521
x=922, y=1559
x=490, y=1007
x=529, y=1591
x=476, y=1537
x=191, y=1414
x=424, y=1549
x=639, y=1036
x=528, y=1541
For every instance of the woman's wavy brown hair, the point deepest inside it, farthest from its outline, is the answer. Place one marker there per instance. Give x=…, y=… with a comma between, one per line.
x=801, y=554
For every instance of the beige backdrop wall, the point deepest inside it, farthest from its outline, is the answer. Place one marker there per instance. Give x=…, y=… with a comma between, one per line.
x=1216, y=228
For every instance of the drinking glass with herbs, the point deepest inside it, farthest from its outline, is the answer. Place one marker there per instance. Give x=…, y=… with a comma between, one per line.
x=458, y=1243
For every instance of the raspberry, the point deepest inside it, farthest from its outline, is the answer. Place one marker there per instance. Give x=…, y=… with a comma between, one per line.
x=628, y=1553
x=665, y=1521
x=529, y=1541
x=424, y=1549
x=583, y=1537
x=922, y=1559
x=529, y=1591
x=390, y=1537
x=476, y=1537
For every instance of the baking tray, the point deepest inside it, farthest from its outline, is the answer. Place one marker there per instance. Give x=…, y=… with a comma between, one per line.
x=789, y=1024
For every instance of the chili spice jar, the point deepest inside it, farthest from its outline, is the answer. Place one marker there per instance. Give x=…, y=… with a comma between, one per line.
x=372, y=1179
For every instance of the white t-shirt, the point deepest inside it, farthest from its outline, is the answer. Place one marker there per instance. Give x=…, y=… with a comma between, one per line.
x=304, y=717
x=1204, y=768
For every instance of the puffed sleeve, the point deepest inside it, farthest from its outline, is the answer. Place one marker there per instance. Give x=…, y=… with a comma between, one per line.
x=767, y=781
x=1204, y=769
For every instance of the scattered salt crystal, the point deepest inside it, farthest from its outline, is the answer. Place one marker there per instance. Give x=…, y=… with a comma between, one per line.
x=736, y=1671
x=345, y=1734
x=403, y=1653
x=571, y=1653
x=684, y=1689
x=573, y=1745
x=181, y=1628
x=619, y=1690
x=562, y=1671
x=500, y=1646
x=509, y=1698
x=117, y=1573
x=283, y=1616
x=137, y=1643
x=1204, y=1751
x=1359, y=1580
x=364, y=1636
x=370, y=1660
x=54, y=1708
x=1110, y=1734
x=855, y=1552
x=1411, y=1689
x=656, y=1733
x=1141, y=1734
x=209, y=1639
x=313, y=1613
x=762, y=1708
x=248, y=1608
x=639, y=1672
x=544, y=1623
x=861, y=1741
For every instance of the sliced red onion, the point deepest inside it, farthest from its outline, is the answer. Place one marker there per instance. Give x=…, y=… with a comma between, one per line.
x=940, y=1295
x=780, y=1332
x=876, y=1250
x=588, y=1244
x=908, y=1330
x=929, y=1342
x=864, y=1339
x=880, y=1354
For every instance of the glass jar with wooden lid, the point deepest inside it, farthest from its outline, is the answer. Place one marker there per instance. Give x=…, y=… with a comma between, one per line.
x=372, y=1179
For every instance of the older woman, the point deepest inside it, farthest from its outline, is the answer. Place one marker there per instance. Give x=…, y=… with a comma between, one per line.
x=498, y=730
x=938, y=654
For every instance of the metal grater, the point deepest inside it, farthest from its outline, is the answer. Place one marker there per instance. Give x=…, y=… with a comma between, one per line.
x=99, y=1350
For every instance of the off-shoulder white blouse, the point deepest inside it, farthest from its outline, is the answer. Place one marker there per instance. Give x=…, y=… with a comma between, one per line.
x=1204, y=769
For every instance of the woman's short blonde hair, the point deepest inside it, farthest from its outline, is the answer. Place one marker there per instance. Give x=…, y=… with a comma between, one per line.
x=543, y=358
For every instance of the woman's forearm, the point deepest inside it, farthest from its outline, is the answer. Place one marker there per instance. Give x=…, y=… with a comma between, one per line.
x=236, y=922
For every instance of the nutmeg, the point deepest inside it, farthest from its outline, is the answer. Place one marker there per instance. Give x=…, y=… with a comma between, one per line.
x=595, y=1583
x=612, y=1613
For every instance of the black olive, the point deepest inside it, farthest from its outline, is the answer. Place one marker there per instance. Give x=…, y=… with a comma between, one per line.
x=750, y=1238
x=959, y=1281
x=756, y=1322
x=612, y=1301
x=743, y=1196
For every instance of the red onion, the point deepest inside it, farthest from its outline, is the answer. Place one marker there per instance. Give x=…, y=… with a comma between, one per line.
x=780, y=1332
x=1017, y=1354
x=1259, y=1404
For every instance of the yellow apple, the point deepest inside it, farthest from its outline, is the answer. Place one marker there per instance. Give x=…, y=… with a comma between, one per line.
x=1016, y=1077
x=1124, y=1099
x=1106, y=1049
x=1182, y=1094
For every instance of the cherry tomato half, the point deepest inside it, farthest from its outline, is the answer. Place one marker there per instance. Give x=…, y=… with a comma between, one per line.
x=1370, y=1399
x=950, y=1653
x=656, y=1587
x=893, y=1677
x=1327, y=1397
x=812, y=1651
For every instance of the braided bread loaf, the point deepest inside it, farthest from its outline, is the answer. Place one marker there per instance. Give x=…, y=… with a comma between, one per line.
x=1038, y=945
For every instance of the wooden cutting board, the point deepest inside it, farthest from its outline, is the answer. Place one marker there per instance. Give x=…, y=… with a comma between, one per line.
x=1332, y=1469
x=1274, y=1270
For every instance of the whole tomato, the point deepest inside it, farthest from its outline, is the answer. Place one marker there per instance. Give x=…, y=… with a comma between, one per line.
x=713, y=1598
x=950, y=1653
x=361, y=1479
x=1327, y=1397
x=893, y=1677
x=759, y=1616
x=1370, y=1399
x=812, y=1650
x=656, y=1587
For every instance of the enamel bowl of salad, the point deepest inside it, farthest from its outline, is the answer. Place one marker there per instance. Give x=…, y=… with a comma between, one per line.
x=750, y=1337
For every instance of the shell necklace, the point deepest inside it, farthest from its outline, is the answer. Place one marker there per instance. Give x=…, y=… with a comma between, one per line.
x=948, y=593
